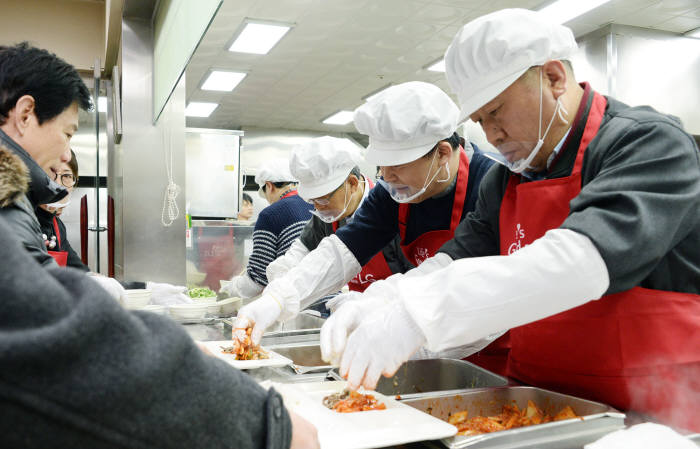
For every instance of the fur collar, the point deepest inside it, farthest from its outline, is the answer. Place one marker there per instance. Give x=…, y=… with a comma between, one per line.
x=14, y=177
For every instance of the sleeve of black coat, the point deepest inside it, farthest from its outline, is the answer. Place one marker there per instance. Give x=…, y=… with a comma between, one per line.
x=80, y=371
x=24, y=227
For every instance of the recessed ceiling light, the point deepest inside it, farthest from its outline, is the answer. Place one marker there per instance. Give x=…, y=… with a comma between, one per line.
x=437, y=66
x=372, y=95
x=339, y=118
x=200, y=109
x=224, y=81
x=258, y=38
x=563, y=11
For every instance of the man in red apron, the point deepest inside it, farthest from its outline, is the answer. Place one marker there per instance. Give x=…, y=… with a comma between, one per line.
x=591, y=228
x=430, y=182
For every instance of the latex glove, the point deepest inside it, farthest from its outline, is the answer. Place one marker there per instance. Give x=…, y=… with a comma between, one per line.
x=335, y=302
x=111, y=285
x=259, y=314
x=643, y=436
x=334, y=332
x=167, y=294
x=380, y=345
x=241, y=287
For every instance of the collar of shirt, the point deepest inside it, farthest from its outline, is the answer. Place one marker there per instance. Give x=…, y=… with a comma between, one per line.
x=543, y=174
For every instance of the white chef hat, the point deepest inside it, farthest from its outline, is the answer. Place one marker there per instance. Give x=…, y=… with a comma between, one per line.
x=275, y=170
x=489, y=53
x=322, y=164
x=405, y=121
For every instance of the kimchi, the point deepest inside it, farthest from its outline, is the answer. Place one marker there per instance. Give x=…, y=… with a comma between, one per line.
x=351, y=401
x=246, y=350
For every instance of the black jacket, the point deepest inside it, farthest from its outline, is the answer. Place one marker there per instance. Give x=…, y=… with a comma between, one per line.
x=46, y=221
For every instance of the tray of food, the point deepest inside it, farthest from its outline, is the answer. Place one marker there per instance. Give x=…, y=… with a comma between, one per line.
x=416, y=377
x=519, y=417
x=360, y=419
x=245, y=356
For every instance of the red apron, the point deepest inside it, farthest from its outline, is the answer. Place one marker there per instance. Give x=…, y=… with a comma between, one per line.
x=374, y=270
x=427, y=245
x=635, y=350
x=61, y=257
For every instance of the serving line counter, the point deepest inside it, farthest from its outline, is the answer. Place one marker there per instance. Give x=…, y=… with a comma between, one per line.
x=439, y=387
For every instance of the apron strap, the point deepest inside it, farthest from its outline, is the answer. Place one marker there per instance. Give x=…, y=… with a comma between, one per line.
x=57, y=231
x=595, y=118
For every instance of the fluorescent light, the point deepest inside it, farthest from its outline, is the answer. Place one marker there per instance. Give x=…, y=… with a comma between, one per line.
x=339, y=118
x=101, y=104
x=200, y=109
x=438, y=66
x=563, y=11
x=372, y=95
x=224, y=81
x=258, y=38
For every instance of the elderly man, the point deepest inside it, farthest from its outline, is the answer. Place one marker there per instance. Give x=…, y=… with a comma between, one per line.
x=594, y=198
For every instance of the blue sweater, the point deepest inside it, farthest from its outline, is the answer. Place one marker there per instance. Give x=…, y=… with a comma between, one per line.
x=376, y=222
x=278, y=225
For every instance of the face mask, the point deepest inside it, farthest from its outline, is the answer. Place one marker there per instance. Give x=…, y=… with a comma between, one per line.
x=53, y=207
x=521, y=165
x=330, y=216
x=402, y=193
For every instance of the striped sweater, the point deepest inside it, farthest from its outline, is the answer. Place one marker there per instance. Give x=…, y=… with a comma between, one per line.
x=278, y=225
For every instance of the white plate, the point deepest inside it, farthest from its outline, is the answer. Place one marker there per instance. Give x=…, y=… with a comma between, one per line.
x=398, y=424
x=275, y=359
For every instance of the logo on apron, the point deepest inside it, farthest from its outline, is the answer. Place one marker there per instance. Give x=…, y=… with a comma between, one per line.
x=519, y=236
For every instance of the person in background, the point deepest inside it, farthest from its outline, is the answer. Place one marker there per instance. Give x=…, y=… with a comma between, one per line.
x=330, y=179
x=585, y=241
x=246, y=212
x=430, y=182
x=278, y=225
x=53, y=229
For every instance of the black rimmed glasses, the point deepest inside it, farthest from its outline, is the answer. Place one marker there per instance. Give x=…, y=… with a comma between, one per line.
x=67, y=179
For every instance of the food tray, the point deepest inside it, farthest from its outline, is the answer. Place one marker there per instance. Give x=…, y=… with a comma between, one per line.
x=416, y=377
x=398, y=424
x=275, y=359
x=597, y=419
x=306, y=357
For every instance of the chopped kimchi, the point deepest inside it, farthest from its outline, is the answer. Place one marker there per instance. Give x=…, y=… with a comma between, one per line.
x=352, y=401
x=246, y=350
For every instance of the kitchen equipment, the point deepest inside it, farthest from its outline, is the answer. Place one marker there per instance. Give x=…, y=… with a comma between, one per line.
x=416, y=377
x=596, y=419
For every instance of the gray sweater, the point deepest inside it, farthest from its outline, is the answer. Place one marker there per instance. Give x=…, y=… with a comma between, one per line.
x=78, y=371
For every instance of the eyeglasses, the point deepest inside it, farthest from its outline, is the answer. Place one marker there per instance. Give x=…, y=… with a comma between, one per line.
x=67, y=179
x=325, y=200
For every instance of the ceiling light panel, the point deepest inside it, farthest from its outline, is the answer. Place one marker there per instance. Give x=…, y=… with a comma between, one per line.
x=438, y=66
x=222, y=81
x=339, y=118
x=563, y=11
x=374, y=94
x=258, y=38
x=200, y=109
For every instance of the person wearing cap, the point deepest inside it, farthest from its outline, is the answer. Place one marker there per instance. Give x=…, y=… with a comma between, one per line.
x=430, y=182
x=278, y=225
x=581, y=243
x=330, y=179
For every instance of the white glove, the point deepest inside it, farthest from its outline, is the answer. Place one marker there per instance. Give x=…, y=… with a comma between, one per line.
x=241, y=287
x=279, y=267
x=111, y=285
x=167, y=294
x=335, y=302
x=380, y=345
x=260, y=314
x=344, y=320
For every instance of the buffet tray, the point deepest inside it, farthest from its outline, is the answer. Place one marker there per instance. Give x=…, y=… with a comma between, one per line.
x=306, y=357
x=596, y=419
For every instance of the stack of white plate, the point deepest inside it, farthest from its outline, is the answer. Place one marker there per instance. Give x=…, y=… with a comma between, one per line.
x=194, y=311
x=132, y=299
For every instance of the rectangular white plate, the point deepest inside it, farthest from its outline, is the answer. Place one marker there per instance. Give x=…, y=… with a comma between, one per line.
x=397, y=424
x=275, y=359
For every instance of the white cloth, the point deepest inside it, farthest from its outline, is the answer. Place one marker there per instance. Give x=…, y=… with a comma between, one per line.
x=405, y=121
x=242, y=286
x=643, y=436
x=274, y=170
x=379, y=345
x=279, y=267
x=476, y=297
x=489, y=53
x=322, y=164
x=111, y=285
x=322, y=272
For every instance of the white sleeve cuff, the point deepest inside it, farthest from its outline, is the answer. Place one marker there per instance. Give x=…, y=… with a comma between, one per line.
x=247, y=287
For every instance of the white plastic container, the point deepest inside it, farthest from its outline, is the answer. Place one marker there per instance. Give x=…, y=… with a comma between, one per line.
x=155, y=308
x=193, y=311
x=136, y=298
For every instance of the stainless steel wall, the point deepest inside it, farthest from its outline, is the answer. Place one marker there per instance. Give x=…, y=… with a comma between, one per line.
x=640, y=66
x=149, y=250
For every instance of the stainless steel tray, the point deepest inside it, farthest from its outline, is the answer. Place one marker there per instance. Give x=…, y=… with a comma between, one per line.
x=417, y=377
x=597, y=419
x=303, y=328
x=306, y=357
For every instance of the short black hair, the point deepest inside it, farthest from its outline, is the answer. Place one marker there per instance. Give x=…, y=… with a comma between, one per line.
x=54, y=84
x=73, y=164
x=246, y=197
x=454, y=140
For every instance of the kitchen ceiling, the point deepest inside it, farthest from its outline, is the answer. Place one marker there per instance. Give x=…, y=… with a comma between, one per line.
x=340, y=51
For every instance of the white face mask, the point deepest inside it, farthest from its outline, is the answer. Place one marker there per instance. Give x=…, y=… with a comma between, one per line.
x=53, y=207
x=402, y=193
x=332, y=215
x=521, y=165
